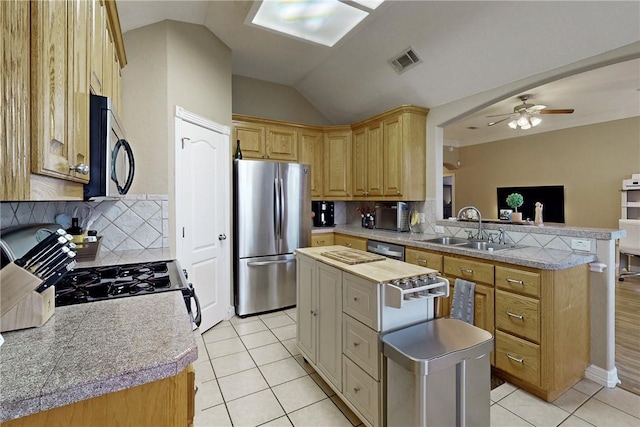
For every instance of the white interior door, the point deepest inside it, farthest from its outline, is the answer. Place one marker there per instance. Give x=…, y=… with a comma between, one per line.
x=203, y=244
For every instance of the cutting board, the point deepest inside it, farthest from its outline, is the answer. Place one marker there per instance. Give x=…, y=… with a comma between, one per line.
x=353, y=256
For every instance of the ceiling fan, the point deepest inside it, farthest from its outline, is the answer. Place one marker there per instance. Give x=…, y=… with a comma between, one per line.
x=526, y=115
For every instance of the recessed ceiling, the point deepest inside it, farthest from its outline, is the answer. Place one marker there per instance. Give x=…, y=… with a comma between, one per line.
x=466, y=47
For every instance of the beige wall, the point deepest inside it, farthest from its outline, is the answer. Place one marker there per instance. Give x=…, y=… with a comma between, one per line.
x=590, y=161
x=144, y=100
x=170, y=63
x=273, y=101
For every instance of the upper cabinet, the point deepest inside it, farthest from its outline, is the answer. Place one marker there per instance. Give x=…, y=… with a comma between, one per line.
x=55, y=58
x=390, y=158
x=311, y=152
x=60, y=89
x=380, y=158
x=337, y=163
x=265, y=139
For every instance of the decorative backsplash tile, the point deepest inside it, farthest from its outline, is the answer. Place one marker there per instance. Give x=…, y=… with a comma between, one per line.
x=134, y=222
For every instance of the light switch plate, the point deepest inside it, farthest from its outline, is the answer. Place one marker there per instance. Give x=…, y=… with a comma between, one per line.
x=580, y=245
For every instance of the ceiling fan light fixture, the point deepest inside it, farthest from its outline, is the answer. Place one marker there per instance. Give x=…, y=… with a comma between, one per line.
x=535, y=121
x=513, y=124
x=524, y=121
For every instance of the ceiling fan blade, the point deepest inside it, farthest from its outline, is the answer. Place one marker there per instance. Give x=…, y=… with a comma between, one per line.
x=499, y=115
x=564, y=111
x=499, y=121
x=536, y=108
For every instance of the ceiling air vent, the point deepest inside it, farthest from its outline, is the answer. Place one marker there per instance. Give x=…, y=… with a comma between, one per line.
x=407, y=59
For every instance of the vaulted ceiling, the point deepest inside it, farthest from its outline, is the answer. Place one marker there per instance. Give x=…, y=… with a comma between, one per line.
x=467, y=47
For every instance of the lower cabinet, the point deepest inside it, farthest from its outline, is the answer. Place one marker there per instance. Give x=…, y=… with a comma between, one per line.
x=350, y=241
x=319, y=326
x=322, y=239
x=166, y=402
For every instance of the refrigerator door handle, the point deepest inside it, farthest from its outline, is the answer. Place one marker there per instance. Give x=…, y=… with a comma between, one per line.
x=263, y=263
x=282, y=212
x=276, y=213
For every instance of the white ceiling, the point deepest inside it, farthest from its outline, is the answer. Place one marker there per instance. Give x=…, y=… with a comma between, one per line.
x=466, y=47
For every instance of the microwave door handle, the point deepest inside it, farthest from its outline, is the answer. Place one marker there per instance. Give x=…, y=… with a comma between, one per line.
x=122, y=143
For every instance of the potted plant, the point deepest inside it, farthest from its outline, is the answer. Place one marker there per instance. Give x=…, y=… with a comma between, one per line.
x=515, y=200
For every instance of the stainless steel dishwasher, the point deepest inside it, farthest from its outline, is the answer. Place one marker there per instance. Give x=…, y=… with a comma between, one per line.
x=386, y=249
x=437, y=373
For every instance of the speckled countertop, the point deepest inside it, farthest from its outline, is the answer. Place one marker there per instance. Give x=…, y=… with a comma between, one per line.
x=88, y=350
x=528, y=256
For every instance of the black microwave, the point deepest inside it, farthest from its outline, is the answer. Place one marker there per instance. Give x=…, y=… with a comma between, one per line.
x=111, y=161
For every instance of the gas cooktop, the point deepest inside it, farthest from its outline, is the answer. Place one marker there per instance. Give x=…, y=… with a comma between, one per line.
x=90, y=284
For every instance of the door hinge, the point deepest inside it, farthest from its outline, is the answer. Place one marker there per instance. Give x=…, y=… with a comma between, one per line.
x=183, y=140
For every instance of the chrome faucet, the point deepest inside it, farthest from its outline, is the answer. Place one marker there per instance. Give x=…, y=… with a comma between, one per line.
x=501, y=238
x=465, y=209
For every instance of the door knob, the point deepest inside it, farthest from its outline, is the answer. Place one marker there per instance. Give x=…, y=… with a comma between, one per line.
x=222, y=237
x=80, y=167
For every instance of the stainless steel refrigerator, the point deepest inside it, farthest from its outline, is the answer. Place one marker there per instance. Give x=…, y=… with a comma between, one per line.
x=272, y=217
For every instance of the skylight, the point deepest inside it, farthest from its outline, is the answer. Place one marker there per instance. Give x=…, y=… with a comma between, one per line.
x=319, y=21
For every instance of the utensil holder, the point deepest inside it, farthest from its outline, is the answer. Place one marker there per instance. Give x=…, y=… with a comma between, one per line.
x=88, y=251
x=21, y=306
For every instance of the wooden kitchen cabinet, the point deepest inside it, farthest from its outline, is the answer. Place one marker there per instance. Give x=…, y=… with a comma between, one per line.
x=98, y=34
x=322, y=239
x=367, y=162
x=47, y=121
x=166, y=402
x=310, y=152
x=282, y=143
x=265, y=139
x=337, y=163
x=350, y=241
x=424, y=258
x=319, y=326
x=251, y=137
x=542, y=327
x=60, y=89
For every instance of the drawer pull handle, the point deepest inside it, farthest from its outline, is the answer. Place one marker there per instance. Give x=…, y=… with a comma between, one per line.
x=466, y=270
x=356, y=389
x=355, y=344
x=319, y=241
x=424, y=261
x=349, y=245
x=518, y=282
x=515, y=359
x=517, y=316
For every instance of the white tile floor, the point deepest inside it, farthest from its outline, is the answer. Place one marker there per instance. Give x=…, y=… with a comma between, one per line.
x=250, y=373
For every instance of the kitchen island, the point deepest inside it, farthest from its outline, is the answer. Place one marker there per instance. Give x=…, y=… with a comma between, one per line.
x=343, y=308
x=118, y=362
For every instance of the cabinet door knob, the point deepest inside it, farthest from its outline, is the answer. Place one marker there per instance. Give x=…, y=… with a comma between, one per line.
x=356, y=298
x=355, y=344
x=81, y=168
x=356, y=389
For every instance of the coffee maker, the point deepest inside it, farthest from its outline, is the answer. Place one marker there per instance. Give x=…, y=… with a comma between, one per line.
x=323, y=213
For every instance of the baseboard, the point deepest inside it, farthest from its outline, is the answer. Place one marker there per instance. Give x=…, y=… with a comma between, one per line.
x=601, y=376
x=231, y=311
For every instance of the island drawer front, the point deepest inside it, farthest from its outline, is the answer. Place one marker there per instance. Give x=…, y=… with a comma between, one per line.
x=424, y=259
x=360, y=300
x=518, y=357
x=361, y=390
x=518, y=314
x=469, y=270
x=360, y=344
x=524, y=282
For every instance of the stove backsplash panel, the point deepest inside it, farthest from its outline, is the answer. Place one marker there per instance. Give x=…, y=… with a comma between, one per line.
x=134, y=222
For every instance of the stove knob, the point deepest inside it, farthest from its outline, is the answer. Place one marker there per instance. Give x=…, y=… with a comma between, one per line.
x=186, y=275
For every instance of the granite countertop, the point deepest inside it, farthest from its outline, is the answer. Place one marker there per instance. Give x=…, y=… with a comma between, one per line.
x=128, y=257
x=377, y=271
x=528, y=256
x=88, y=350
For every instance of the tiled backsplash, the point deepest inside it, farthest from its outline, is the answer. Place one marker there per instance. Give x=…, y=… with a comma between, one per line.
x=134, y=222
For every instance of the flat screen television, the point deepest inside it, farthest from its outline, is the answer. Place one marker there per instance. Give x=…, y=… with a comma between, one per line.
x=551, y=196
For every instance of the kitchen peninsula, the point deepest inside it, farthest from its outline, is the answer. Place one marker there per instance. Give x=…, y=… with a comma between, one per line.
x=555, y=295
x=118, y=362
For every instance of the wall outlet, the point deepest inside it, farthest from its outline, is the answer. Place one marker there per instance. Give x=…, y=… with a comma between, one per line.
x=423, y=217
x=580, y=245
x=439, y=229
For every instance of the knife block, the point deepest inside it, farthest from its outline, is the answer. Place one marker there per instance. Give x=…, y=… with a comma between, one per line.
x=20, y=305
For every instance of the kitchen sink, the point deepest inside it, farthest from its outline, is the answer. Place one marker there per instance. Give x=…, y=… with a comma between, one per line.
x=485, y=246
x=480, y=245
x=447, y=240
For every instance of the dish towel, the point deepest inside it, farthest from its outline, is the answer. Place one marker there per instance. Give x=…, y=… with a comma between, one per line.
x=462, y=304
